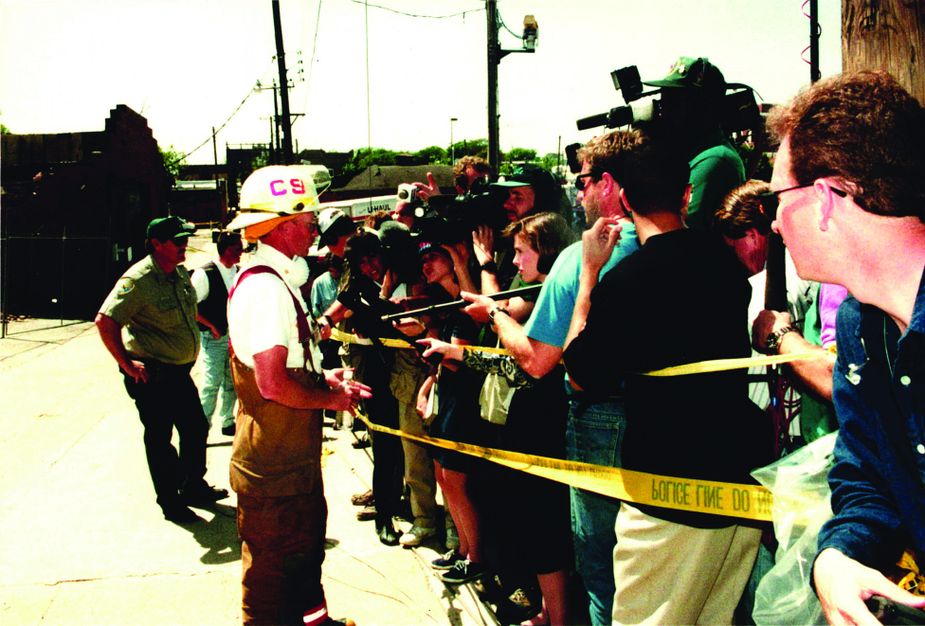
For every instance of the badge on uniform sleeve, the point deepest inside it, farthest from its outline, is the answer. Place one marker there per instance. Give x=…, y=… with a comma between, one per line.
x=125, y=286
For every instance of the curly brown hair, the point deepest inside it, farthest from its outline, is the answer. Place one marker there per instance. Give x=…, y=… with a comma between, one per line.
x=477, y=163
x=741, y=211
x=864, y=129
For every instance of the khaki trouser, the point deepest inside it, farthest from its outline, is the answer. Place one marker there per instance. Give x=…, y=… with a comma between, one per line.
x=407, y=376
x=668, y=573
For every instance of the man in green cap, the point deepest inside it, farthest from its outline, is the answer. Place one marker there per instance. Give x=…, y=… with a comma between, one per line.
x=691, y=107
x=148, y=324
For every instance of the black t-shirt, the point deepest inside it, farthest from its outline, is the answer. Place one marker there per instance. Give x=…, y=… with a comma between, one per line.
x=681, y=298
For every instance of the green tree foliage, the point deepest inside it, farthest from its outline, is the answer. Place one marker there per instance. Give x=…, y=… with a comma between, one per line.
x=173, y=160
x=470, y=147
x=432, y=154
x=364, y=157
x=520, y=155
x=551, y=159
x=4, y=130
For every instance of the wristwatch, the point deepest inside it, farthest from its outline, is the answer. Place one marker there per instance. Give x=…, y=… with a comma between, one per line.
x=494, y=312
x=773, y=340
x=489, y=266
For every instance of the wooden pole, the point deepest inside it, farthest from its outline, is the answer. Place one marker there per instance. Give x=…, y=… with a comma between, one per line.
x=888, y=35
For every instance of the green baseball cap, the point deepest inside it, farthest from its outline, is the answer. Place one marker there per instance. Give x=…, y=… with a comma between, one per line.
x=167, y=228
x=692, y=73
x=545, y=186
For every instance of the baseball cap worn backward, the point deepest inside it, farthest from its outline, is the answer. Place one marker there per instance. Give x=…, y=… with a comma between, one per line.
x=275, y=191
x=692, y=73
x=167, y=228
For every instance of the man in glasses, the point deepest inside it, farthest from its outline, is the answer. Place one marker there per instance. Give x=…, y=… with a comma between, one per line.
x=148, y=324
x=595, y=423
x=850, y=178
x=282, y=389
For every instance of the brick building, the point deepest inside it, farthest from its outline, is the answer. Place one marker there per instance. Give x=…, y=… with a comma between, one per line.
x=73, y=213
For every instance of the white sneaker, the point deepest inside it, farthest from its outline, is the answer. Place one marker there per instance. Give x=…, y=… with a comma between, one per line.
x=416, y=536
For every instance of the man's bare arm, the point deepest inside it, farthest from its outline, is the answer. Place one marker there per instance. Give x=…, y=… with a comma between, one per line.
x=111, y=334
x=597, y=244
x=534, y=357
x=275, y=384
x=814, y=375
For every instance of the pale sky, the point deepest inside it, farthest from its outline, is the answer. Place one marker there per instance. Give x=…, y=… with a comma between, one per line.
x=186, y=65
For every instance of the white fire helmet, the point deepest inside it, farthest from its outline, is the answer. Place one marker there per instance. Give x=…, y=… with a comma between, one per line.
x=274, y=191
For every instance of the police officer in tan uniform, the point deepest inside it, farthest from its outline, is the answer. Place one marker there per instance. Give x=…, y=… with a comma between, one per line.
x=282, y=389
x=148, y=324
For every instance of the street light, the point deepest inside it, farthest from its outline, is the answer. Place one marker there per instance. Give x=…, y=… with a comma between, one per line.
x=452, y=147
x=495, y=54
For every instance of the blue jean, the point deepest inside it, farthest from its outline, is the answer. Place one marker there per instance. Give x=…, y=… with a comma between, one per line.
x=216, y=379
x=594, y=434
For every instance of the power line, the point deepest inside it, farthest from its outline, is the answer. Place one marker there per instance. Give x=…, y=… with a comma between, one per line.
x=501, y=21
x=432, y=17
x=225, y=123
x=311, y=63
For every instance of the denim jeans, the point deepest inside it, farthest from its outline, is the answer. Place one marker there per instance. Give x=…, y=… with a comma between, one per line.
x=594, y=434
x=216, y=379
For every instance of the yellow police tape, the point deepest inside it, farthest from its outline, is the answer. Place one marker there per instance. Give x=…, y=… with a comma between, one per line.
x=751, y=502
x=703, y=367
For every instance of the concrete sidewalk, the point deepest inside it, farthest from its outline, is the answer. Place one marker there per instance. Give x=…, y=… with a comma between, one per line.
x=83, y=541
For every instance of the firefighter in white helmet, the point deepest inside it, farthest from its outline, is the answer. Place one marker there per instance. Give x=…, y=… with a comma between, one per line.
x=282, y=389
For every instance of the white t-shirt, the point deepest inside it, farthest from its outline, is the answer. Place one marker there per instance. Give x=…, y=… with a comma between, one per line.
x=201, y=281
x=261, y=314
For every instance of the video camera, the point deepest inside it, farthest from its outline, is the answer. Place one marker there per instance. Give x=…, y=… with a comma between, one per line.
x=481, y=204
x=407, y=192
x=738, y=109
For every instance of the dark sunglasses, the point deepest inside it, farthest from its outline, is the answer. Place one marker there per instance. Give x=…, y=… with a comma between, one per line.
x=770, y=200
x=580, y=183
x=462, y=181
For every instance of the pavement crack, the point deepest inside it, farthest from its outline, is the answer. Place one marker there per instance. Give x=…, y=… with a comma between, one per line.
x=68, y=581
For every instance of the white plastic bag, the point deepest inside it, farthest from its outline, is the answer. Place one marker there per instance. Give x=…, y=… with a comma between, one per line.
x=799, y=483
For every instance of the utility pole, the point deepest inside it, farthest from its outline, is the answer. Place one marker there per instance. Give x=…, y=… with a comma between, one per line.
x=274, y=148
x=814, y=73
x=495, y=54
x=286, y=121
x=888, y=35
x=494, y=58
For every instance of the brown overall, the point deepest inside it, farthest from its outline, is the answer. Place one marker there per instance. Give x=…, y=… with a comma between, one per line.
x=282, y=514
